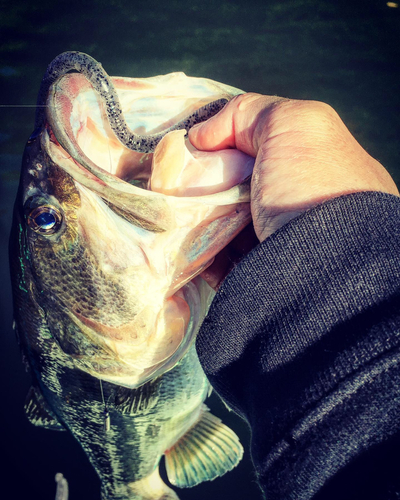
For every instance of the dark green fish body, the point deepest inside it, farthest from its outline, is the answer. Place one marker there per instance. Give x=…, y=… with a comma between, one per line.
x=107, y=306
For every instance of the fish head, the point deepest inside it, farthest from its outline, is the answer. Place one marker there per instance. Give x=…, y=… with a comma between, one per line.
x=115, y=239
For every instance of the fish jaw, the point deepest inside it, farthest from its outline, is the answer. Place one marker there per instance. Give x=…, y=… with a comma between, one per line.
x=156, y=274
x=129, y=301
x=138, y=323
x=131, y=365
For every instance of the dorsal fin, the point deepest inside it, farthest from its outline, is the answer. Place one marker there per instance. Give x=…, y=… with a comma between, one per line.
x=206, y=451
x=140, y=400
x=39, y=413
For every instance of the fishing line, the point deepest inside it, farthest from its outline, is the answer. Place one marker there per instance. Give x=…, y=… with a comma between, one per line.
x=107, y=418
x=24, y=106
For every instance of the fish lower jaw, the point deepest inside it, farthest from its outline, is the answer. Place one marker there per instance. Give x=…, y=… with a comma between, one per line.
x=133, y=365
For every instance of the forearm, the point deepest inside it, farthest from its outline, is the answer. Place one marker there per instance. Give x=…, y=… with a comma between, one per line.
x=302, y=340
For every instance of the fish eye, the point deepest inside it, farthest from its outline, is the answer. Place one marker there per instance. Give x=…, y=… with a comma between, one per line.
x=45, y=219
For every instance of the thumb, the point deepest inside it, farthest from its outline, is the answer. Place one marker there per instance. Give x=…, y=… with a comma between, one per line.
x=239, y=125
x=217, y=132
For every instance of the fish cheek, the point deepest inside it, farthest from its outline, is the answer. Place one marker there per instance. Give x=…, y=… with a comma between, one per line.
x=52, y=250
x=58, y=275
x=51, y=279
x=65, y=271
x=73, y=284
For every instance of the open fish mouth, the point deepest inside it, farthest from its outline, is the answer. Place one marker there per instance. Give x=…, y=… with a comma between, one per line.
x=154, y=211
x=117, y=173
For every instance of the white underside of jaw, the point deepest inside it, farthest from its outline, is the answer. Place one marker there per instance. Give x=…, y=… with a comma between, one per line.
x=132, y=365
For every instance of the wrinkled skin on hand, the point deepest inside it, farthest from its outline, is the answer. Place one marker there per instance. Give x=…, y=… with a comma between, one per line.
x=305, y=155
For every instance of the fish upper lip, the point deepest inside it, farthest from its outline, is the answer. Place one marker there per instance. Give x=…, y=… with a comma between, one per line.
x=153, y=210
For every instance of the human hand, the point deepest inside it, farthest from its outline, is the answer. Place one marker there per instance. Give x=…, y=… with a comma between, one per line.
x=304, y=154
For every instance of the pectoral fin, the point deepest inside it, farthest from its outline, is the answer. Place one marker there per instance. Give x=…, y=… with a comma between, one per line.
x=39, y=413
x=206, y=451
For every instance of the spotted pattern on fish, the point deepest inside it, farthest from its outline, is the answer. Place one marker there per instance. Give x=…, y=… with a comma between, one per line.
x=101, y=82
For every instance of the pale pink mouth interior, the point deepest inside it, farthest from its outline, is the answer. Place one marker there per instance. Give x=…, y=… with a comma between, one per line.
x=176, y=169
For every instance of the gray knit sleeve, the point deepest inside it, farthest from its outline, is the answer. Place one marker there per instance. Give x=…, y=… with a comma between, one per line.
x=302, y=340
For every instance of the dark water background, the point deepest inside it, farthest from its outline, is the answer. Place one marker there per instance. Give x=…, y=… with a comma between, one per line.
x=346, y=53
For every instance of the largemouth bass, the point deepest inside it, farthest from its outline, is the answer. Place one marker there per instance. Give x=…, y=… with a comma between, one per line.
x=115, y=218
